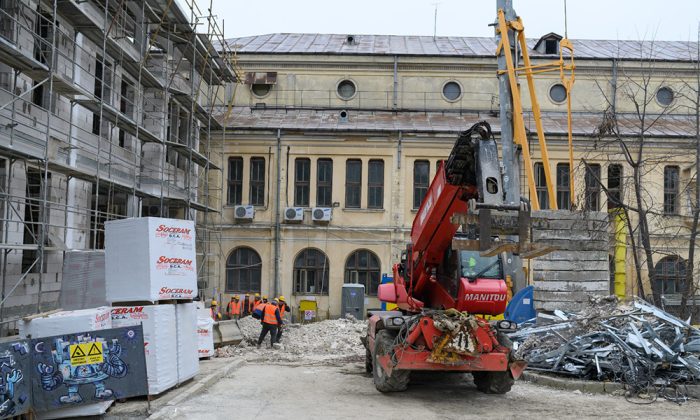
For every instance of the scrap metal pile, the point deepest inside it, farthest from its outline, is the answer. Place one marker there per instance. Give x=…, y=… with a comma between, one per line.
x=638, y=345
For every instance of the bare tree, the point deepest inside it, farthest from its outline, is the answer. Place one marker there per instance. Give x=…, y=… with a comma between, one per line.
x=629, y=137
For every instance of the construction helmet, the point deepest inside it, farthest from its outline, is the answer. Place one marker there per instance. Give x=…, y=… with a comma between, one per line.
x=236, y=297
x=281, y=298
x=257, y=295
x=213, y=302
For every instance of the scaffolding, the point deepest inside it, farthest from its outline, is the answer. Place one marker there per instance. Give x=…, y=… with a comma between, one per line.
x=105, y=113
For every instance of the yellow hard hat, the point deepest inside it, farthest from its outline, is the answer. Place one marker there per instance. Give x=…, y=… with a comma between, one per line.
x=236, y=297
x=213, y=302
x=257, y=295
x=264, y=297
x=281, y=299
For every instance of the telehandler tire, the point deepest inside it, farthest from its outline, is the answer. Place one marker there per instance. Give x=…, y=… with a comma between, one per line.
x=495, y=382
x=398, y=381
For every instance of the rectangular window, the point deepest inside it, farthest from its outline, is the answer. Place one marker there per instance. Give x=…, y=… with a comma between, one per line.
x=324, y=183
x=257, y=181
x=353, y=183
x=592, y=180
x=375, y=184
x=671, y=190
x=541, y=186
x=302, y=178
x=96, y=124
x=563, y=189
x=235, y=180
x=421, y=181
x=614, y=186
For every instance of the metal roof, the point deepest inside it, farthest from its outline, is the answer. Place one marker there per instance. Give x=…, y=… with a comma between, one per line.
x=452, y=46
x=584, y=124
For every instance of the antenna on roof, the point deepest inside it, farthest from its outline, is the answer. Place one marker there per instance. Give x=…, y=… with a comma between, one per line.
x=566, y=28
x=435, y=21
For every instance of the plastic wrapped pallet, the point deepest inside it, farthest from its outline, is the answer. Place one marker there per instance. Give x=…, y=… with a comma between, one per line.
x=66, y=322
x=205, y=333
x=150, y=259
x=159, y=333
x=187, y=345
x=83, y=280
x=69, y=322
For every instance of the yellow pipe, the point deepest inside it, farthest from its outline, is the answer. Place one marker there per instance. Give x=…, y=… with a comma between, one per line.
x=620, y=224
x=518, y=122
x=538, y=122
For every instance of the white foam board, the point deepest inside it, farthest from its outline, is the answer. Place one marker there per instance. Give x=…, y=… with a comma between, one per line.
x=159, y=333
x=66, y=322
x=205, y=333
x=69, y=322
x=150, y=259
x=187, y=341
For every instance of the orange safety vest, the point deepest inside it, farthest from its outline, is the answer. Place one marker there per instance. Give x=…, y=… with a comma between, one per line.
x=269, y=314
x=234, y=307
x=253, y=304
x=282, y=306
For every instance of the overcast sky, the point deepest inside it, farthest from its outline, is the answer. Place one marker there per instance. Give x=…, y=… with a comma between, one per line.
x=675, y=20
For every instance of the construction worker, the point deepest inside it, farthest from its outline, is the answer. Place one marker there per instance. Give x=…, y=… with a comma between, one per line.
x=214, y=311
x=264, y=299
x=233, y=310
x=255, y=302
x=247, y=301
x=271, y=321
x=284, y=308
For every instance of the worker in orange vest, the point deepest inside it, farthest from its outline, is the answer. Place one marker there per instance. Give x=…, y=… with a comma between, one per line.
x=271, y=320
x=214, y=311
x=283, y=307
x=233, y=310
x=254, y=303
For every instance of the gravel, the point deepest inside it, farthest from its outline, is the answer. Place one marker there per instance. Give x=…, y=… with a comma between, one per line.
x=329, y=342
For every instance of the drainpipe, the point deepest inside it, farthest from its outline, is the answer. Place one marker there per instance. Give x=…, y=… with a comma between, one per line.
x=277, y=213
x=396, y=82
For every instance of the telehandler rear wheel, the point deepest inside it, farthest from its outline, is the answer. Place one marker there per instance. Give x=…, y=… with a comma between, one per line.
x=368, y=361
x=398, y=381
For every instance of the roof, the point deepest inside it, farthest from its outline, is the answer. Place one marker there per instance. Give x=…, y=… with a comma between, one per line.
x=584, y=124
x=452, y=46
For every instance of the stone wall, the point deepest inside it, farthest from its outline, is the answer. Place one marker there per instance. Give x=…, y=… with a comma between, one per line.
x=579, y=268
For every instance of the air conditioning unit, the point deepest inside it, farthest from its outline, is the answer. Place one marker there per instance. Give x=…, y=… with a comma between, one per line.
x=321, y=214
x=294, y=214
x=244, y=212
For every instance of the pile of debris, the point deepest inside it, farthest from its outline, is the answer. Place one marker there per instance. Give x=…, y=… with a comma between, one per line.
x=638, y=345
x=326, y=342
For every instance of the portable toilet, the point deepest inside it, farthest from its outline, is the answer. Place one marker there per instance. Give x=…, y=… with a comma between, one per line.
x=353, y=301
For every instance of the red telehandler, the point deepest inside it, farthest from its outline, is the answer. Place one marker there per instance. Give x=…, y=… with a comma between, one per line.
x=448, y=275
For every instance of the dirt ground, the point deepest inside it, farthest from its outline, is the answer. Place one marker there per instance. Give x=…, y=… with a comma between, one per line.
x=267, y=391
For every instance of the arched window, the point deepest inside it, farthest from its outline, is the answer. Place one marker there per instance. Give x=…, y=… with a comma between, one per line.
x=669, y=275
x=243, y=271
x=362, y=267
x=311, y=272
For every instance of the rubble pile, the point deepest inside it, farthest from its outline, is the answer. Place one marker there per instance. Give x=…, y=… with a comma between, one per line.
x=638, y=345
x=324, y=342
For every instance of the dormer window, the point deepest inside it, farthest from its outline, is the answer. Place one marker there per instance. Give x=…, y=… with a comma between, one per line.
x=548, y=44
x=551, y=46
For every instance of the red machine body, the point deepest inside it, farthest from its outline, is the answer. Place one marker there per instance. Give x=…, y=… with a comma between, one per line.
x=444, y=287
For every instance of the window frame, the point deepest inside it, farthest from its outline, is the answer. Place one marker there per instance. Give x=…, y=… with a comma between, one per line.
x=256, y=184
x=303, y=270
x=372, y=274
x=353, y=186
x=234, y=183
x=250, y=268
x=422, y=186
x=672, y=208
x=615, y=191
x=302, y=186
x=592, y=187
x=563, y=187
x=324, y=187
x=541, y=185
x=375, y=186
